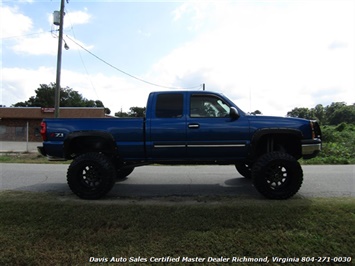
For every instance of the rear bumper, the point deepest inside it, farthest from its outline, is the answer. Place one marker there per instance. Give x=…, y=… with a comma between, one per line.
x=310, y=148
x=42, y=151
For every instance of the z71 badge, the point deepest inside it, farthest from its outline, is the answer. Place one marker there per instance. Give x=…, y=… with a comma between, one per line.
x=57, y=135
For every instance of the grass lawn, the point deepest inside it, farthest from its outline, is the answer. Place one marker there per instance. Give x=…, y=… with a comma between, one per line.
x=46, y=229
x=27, y=158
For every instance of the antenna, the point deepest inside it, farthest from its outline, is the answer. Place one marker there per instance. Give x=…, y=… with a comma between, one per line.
x=250, y=100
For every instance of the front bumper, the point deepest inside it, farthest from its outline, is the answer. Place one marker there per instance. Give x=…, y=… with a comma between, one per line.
x=311, y=148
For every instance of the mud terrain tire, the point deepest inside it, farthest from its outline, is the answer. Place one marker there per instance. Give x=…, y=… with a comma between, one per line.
x=91, y=175
x=244, y=169
x=277, y=175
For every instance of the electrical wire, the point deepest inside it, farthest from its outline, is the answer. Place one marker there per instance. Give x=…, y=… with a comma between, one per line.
x=24, y=35
x=123, y=72
x=81, y=58
x=102, y=60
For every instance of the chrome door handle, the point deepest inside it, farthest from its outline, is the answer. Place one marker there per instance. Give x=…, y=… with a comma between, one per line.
x=194, y=125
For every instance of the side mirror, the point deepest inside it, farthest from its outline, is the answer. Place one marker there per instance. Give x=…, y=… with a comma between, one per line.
x=233, y=113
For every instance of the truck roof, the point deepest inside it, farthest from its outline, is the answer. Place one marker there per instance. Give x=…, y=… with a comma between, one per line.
x=187, y=91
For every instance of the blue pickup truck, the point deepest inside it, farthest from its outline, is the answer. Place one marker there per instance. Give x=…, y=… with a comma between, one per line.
x=183, y=127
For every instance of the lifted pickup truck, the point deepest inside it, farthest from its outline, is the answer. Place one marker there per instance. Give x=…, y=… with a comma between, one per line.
x=183, y=127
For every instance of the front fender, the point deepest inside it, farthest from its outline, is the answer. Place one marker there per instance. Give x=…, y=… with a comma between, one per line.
x=287, y=137
x=275, y=131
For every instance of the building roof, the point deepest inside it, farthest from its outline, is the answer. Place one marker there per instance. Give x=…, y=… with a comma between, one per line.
x=39, y=113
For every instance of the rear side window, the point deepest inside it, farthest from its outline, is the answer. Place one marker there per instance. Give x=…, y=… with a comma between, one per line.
x=169, y=105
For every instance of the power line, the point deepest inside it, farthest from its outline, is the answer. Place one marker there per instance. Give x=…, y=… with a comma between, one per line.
x=123, y=72
x=102, y=60
x=24, y=35
x=81, y=58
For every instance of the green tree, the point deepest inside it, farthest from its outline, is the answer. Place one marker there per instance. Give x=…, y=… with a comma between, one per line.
x=257, y=112
x=122, y=114
x=137, y=111
x=44, y=97
x=343, y=114
x=319, y=113
x=133, y=112
x=302, y=112
x=333, y=114
x=68, y=98
x=330, y=109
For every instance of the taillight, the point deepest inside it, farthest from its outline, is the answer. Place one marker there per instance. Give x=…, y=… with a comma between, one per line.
x=316, y=132
x=312, y=130
x=44, y=130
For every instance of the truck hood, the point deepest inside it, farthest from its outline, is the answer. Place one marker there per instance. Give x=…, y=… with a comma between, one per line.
x=276, y=118
x=276, y=122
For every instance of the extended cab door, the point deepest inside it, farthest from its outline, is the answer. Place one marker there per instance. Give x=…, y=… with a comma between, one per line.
x=167, y=127
x=211, y=133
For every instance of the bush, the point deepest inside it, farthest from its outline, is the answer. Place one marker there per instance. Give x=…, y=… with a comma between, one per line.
x=340, y=127
x=338, y=145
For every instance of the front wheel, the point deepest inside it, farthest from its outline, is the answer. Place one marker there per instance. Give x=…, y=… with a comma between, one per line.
x=91, y=175
x=277, y=175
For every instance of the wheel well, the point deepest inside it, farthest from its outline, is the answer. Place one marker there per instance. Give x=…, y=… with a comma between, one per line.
x=84, y=144
x=289, y=143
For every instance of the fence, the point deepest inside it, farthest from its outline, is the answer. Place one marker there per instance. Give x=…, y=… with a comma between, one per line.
x=22, y=131
x=22, y=137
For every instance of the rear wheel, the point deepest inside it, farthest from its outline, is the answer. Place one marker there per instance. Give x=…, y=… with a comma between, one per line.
x=91, y=175
x=244, y=169
x=277, y=175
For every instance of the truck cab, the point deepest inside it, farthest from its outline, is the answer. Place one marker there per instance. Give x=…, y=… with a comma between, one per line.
x=193, y=127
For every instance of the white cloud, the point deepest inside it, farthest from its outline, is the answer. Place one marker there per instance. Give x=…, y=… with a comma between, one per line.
x=75, y=44
x=77, y=18
x=33, y=41
x=19, y=84
x=271, y=56
x=46, y=43
x=278, y=54
x=115, y=92
x=42, y=44
x=72, y=18
x=13, y=23
x=145, y=34
x=196, y=14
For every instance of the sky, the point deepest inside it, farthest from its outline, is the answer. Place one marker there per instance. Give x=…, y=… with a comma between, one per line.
x=271, y=56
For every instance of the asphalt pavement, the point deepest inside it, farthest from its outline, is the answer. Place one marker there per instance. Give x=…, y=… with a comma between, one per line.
x=168, y=181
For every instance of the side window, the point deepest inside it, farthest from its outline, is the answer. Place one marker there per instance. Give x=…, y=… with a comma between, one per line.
x=169, y=105
x=208, y=106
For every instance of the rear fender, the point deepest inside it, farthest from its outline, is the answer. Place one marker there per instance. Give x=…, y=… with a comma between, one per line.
x=89, y=141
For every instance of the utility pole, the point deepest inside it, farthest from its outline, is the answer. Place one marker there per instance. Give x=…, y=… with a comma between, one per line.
x=59, y=62
x=203, y=86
